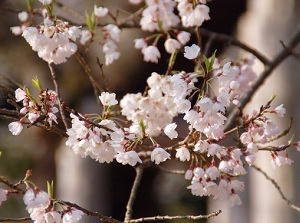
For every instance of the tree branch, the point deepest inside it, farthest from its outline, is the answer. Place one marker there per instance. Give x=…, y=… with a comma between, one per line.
x=265, y=74
x=90, y=213
x=139, y=173
x=88, y=71
x=233, y=41
x=289, y=203
x=15, y=219
x=163, y=218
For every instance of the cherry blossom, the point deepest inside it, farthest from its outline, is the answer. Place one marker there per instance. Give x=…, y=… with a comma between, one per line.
x=72, y=216
x=108, y=99
x=3, y=195
x=151, y=54
x=171, y=45
x=169, y=130
x=183, y=154
x=159, y=155
x=130, y=157
x=183, y=37
x=46, y=2
x=191, y=52
x=15, y=127
x=100, y=11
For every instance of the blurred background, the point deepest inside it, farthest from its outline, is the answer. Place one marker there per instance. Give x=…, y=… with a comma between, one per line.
x=105, y=188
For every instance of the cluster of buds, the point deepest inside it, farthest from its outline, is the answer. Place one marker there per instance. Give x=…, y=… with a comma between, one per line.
x=35, y=110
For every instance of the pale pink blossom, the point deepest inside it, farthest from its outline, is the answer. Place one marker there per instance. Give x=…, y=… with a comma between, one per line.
x=211, y=188
x=159, y=155
x=280, y=110
x=72, y=216
x=52, y=217
x=100, y=11
x=16, y=30
x=140, y=43
x=252, y=148
x=234, y=199
x=212, y=173
x=86, y=36
x=183, y=154
x=130, y=157
x=135, y=2
x=171, y=45
x=15, y=127
x=108, y=99
x=3, y=195
x=23, y=16
x=239, y=170
x=250, y=159
x=36, y=200
x=197, y=189
x=20, y=95
x=188, y=174
x=46, y=2
x=183, y=37
x=245, y=138
x=151, y=54
x=191, y=52
x=170, y=131
x=201, y=146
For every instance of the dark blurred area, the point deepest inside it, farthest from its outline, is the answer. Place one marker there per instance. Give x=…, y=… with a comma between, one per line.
x=35, y=149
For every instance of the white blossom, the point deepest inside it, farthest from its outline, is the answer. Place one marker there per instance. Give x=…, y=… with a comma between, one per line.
x=183, y=154
x=151, y=54
x=169, y=130
x=130, y=157
x=100, y=11
x=159, y=155
x=191, y=52
x=108, y=99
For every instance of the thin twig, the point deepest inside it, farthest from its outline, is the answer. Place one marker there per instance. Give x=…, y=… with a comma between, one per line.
x=265, y=74
x=88, y=71
x=233, y=41
x=163, y=218
x=15, y=116
x=3, y=180
x=62, y=114
x=179, y=172
x=289, y=203
x=105, y=80
x=139, y=173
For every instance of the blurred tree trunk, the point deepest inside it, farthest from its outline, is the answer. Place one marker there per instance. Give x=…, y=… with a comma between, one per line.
x=263, y=26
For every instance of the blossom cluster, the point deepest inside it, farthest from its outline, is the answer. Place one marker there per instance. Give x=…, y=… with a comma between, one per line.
x=40, y=207
x=127, y=130
x=214, y=168
x=43, y=109
x=53, y=40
